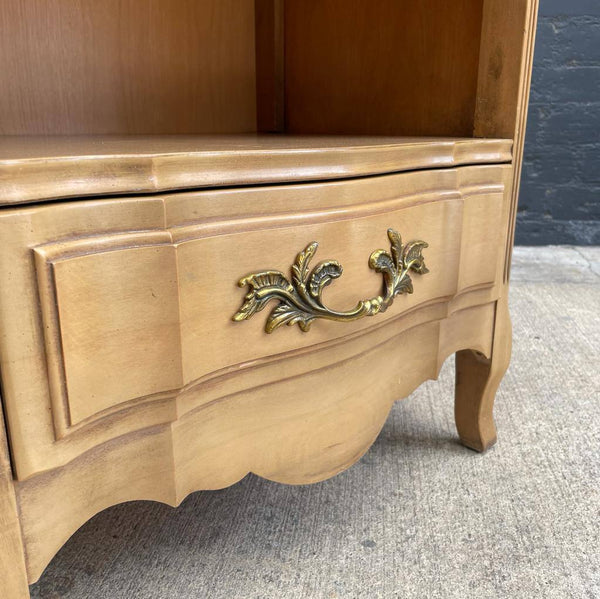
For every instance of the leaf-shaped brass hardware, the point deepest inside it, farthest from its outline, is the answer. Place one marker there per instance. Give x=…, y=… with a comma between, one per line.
x=301, y=302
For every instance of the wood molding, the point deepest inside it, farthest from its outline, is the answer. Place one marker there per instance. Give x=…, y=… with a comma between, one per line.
x=460, y=213
x=127, y=371
x=35, y=169
x=283, y=430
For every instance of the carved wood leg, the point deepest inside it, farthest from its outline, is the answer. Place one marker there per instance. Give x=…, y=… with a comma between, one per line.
x=13, y=577
x=477, y=379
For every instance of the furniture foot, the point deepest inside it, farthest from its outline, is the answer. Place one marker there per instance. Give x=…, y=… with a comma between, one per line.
x=13, y=577
x=13, y=580
x=477, y=379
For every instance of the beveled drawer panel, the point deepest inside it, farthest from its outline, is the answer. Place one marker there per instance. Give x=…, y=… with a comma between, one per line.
x=137, y=303
x=112, y=324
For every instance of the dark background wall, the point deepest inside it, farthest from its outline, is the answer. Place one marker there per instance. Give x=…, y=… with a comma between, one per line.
x=560, y=187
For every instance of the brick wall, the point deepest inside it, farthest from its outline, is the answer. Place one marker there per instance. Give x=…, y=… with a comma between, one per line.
x=560, y=188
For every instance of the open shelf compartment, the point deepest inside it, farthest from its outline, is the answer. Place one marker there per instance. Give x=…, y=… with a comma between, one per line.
x=343, y=67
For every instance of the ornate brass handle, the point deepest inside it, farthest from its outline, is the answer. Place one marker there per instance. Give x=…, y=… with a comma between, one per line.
x=300, y=301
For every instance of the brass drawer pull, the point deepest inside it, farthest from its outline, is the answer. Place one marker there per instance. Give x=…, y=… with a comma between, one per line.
x=300, y=301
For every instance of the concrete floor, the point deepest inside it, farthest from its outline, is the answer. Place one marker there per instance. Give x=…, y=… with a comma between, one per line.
x=419, y=516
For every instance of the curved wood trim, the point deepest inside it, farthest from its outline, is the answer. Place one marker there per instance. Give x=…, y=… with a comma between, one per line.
x=164, y=408
x=299, y=429
x=126, y=222
x=35, y=169
x=477, y=379
x=159, y=408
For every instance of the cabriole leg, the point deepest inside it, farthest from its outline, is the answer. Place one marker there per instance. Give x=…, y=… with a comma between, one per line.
x=477, y=379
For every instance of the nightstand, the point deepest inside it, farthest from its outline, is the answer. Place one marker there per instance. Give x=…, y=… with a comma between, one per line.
x=235, y=232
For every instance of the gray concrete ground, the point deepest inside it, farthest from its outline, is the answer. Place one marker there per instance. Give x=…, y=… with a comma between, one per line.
x=419, y=516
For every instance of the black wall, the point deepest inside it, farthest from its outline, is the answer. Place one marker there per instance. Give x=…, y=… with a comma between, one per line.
x=560, y=187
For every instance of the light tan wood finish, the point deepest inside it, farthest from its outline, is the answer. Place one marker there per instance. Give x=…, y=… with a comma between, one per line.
x=477, y=378
x=119, y=334
x=507, y=43
x=262, y=392
x=162, y=270
x=500, y=85
x=123, y=375
x=36, y=168
x=127, y=66
x=13, y=575
x=295, y=422
x=385, y=67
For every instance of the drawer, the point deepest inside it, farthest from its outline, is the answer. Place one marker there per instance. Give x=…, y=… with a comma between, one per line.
x=117, y=313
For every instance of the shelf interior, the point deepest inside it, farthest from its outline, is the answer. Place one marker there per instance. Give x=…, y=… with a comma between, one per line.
x=344, y=67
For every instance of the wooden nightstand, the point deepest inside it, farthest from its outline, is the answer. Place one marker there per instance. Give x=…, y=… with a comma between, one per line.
x=146, y=277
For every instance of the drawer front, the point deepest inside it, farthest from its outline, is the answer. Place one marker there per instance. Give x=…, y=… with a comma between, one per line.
x=125, y=306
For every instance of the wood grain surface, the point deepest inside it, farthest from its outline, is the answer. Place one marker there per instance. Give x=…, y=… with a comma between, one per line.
x=36, y=168
x=507, y=44
x=270, y=66
x=13, y=575
x=123, y=375
x=477, y=379
x=137, y=294
x=74, y=67
x=381, y=67
x=296, y=428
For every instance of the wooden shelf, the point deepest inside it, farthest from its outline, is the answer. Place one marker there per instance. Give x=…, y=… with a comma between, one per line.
x=44, y=168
